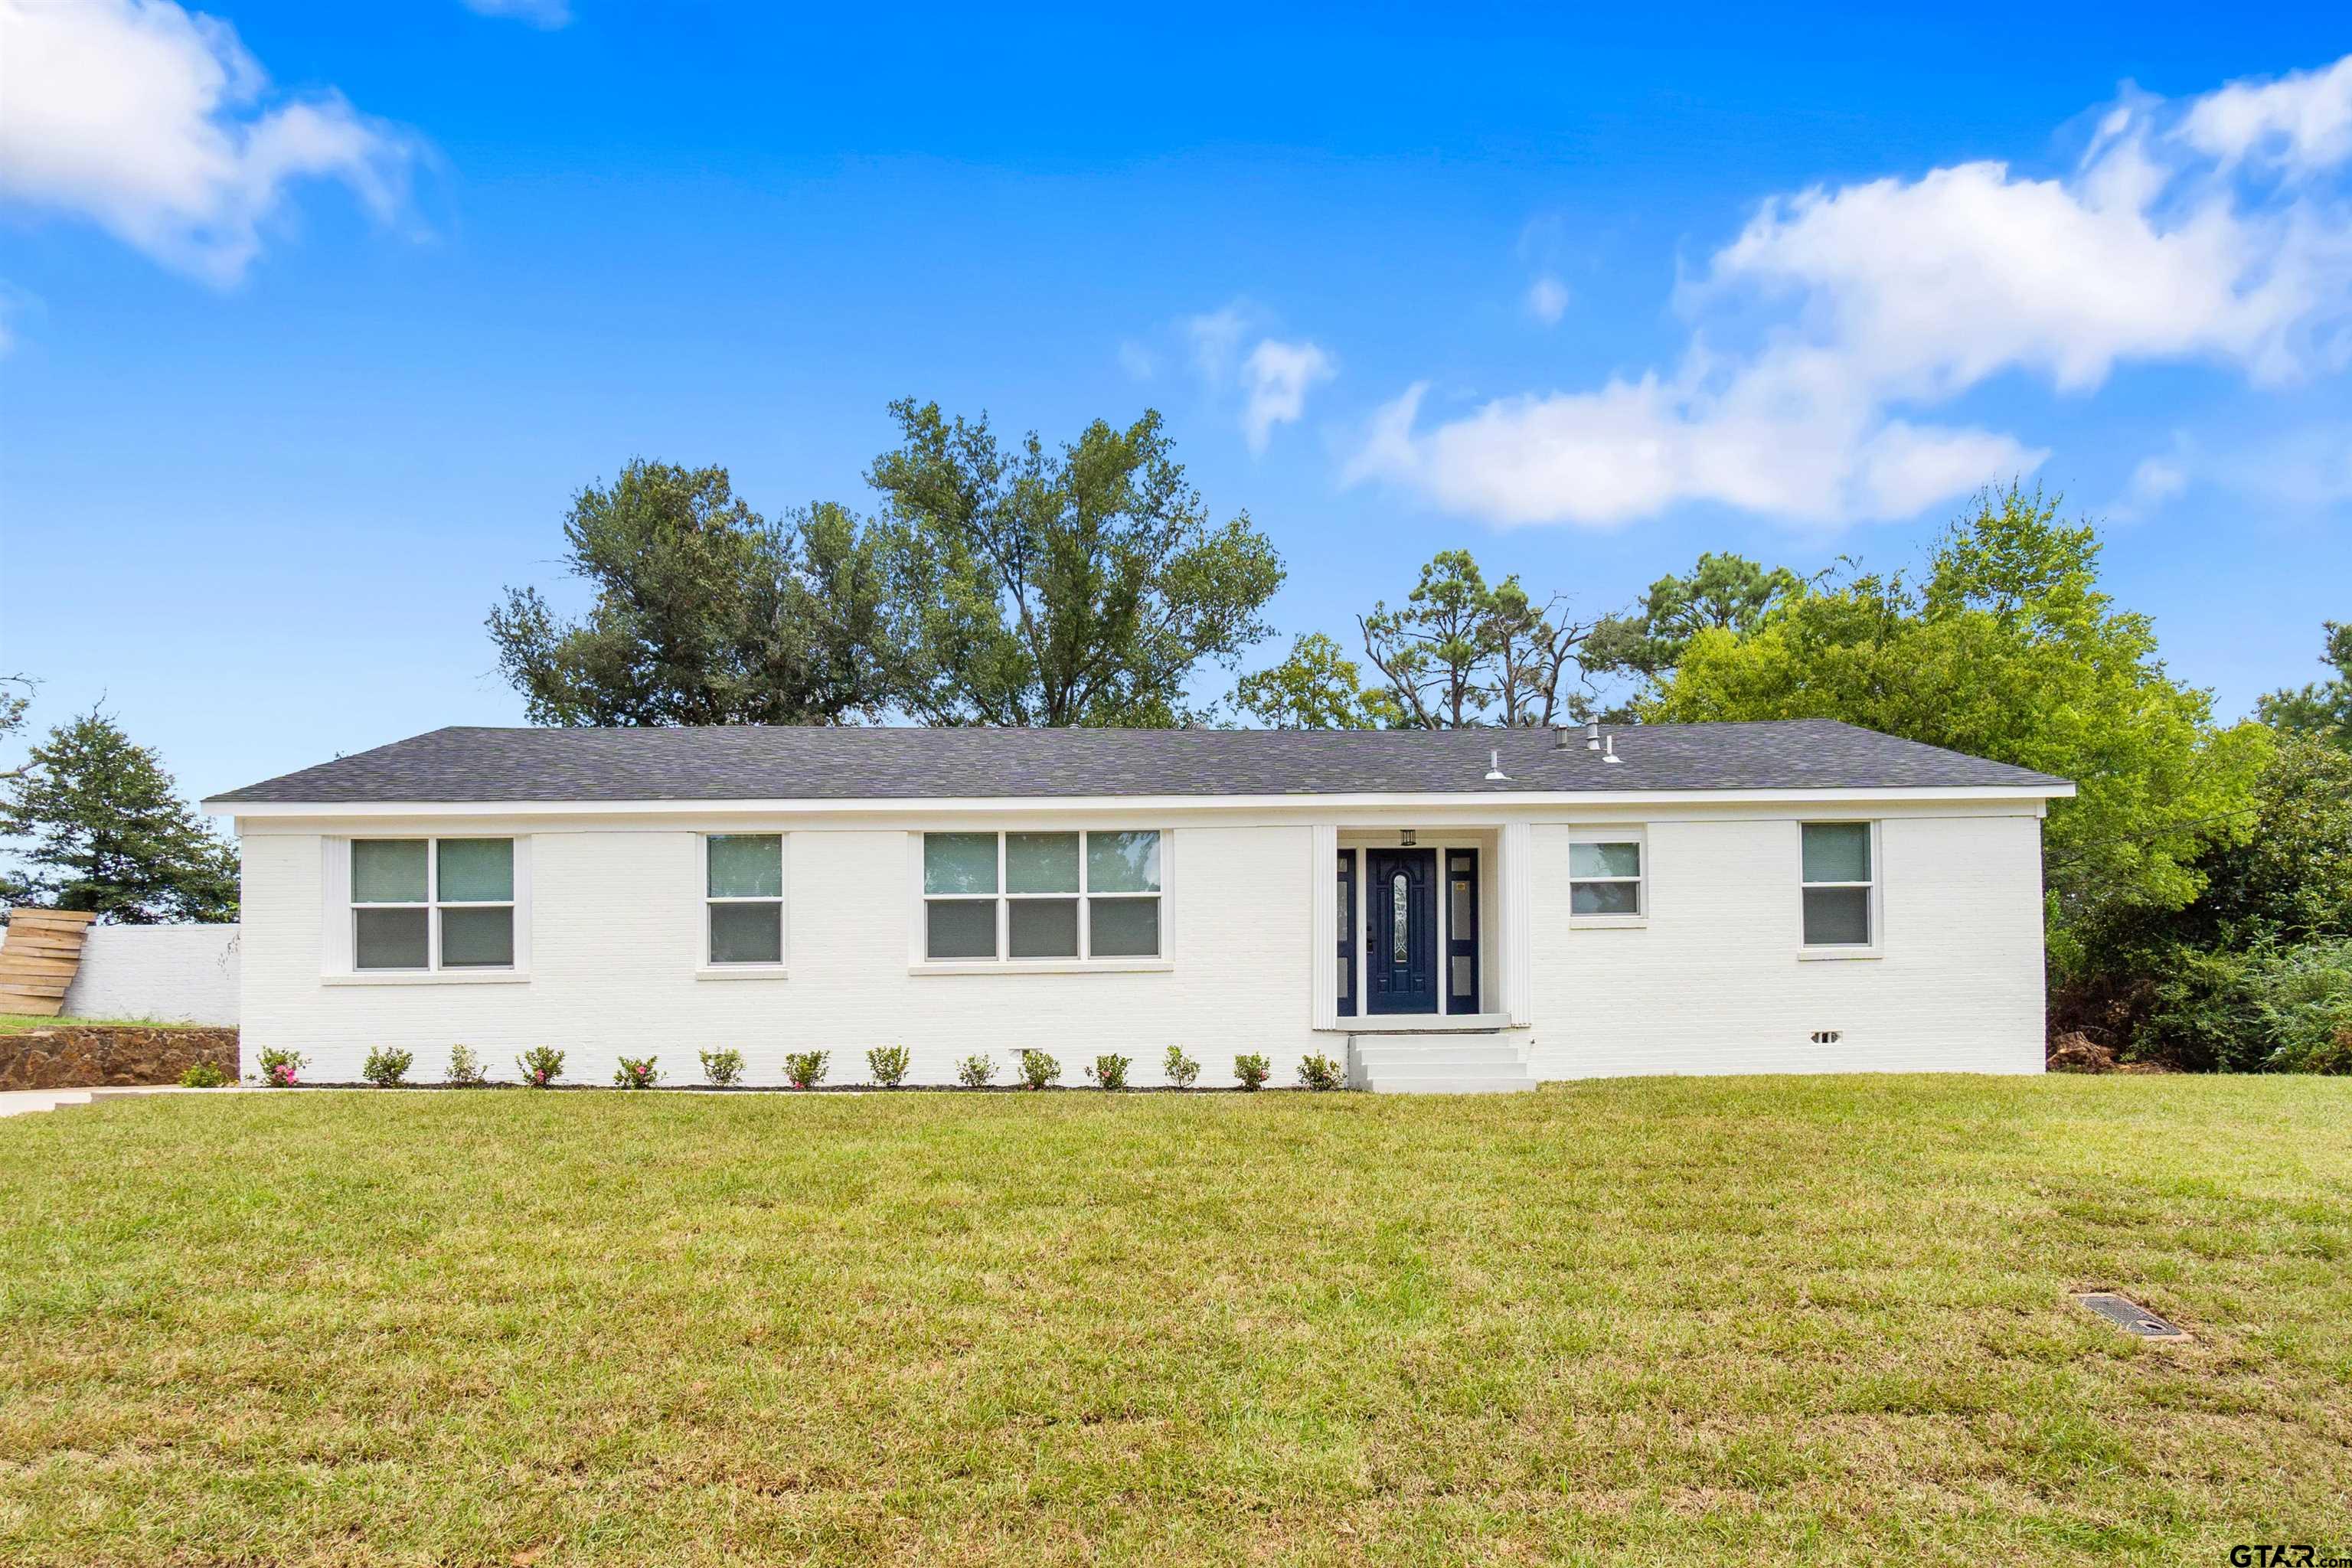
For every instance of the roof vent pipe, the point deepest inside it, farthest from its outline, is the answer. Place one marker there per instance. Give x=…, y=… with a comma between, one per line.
x=1494, y=773
x=1610, y=754
x=1592, y=736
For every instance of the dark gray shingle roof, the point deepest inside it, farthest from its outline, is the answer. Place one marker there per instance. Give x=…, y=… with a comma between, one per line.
x=775, y=762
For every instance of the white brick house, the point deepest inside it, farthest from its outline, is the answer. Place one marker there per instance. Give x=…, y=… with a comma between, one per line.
x=1452, y=908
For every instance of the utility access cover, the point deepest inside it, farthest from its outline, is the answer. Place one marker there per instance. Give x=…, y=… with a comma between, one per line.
x=2126, y=1313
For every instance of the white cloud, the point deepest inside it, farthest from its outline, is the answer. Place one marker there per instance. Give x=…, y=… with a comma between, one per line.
x=1277, y=377
x=15, y=302
x=1548, y=300
x=2153, y=482
x=1138, y=362
x=1216, y=337
x=156, y=124
x=1858, y=307
x=537, y=12
x=2302, y=122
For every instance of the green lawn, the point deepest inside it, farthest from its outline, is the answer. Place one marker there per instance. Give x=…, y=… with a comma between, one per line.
x=17, y=1022
x=1669, y=1321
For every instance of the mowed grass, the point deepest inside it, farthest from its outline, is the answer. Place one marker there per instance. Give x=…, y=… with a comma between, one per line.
x=1657, y=1321
x=21, y=1023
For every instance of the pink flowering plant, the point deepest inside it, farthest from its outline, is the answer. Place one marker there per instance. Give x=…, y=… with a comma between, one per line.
x=638, y=1072
x=540, y=1066
x=282, y=1069
x=806, y=1068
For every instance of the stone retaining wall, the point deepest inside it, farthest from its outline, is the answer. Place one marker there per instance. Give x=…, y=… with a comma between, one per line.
x=101, y=1056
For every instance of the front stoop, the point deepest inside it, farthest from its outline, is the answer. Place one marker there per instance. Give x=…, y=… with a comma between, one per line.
x=1437, y=1064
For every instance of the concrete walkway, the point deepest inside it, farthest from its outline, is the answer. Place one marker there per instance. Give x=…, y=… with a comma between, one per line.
x=25, y=1101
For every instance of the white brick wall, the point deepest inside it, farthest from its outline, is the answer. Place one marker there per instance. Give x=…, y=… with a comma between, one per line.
x=1713, y=984
x=175, y=974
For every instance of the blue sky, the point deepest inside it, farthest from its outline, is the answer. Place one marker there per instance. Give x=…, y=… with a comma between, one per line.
x=316, y=315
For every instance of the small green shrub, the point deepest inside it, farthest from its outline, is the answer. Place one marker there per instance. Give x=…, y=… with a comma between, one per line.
x=1110, y=1072
x=282, y=1068
x=638, y=1072
x=466, y=1068
x=722, y=1067
x=1320, y=1072
x=385, y=1066
x=976, y=1072
x=1182, y=1069
x=888, y=1064
x=1252, y=1070
x=540, y=1065
x=204, y=1074
x=1038, y=1069
x=805, y=1070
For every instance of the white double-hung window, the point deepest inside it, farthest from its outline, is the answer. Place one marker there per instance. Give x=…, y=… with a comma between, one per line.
x=1605, y=876
x=743, y=896
x=1839, y=887
x=432, y=903
x=999, y=897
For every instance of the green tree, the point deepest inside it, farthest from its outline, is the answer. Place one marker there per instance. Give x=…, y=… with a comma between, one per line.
x=2323, y=709
x=1319, y=686
x=1721, y=593
x=105, y=830
x=2008, y=650
x=1082, y=585
x=705, y=611
x=1459, y=652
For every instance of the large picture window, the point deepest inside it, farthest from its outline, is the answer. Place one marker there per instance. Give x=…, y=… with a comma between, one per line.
x=432, y=903
x=991, y=896
x=1838, y=884
x=743, y=896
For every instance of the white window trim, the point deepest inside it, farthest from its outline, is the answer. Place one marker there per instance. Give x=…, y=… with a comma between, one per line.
x=1639, y=837
x=342, y=961
x=1843, y=951
x=919, y=961
x=704, y=968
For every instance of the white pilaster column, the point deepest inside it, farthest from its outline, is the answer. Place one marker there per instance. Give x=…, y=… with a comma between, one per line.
x=1518, y=898
x=1323, y=925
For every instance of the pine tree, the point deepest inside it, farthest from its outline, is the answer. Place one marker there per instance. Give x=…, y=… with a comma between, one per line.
x=109, y=833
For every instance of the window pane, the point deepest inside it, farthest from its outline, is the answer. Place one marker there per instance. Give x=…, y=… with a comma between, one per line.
x=391, y=939
x=477, y=870
x=1837, y=917
x=1463, y=922
x=477, y=939
x=1123, y=927
x=1837, y=852
x=1122, y=862
x=1042, y=863
x=959, y=863
x=962, y=928
x=1400, y=916
x=1344, y=968
x=747, y=866
x=1464, y=971
x=747, y=933
x=1044, y=928
x=1604, y=897
x=388, y=871
x=1605, y=859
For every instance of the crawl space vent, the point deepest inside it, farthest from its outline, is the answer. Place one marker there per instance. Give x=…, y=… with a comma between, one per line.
x=2126, y=1313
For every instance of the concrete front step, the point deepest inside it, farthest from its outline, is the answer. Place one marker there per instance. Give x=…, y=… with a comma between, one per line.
x=1457, y=1065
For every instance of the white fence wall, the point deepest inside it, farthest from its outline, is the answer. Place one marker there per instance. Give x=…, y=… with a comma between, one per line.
x=172, y=974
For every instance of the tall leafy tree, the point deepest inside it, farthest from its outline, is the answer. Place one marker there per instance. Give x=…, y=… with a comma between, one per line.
x=1461, y=652
x=2322, y=710
x=705, y=611
x=1078, y=585
x=105, y=830
x=1317, y=687
x=2008, y=649
x=1721, y=593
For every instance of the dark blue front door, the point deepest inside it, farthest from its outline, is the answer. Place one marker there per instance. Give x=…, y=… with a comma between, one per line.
x=1401, y=931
